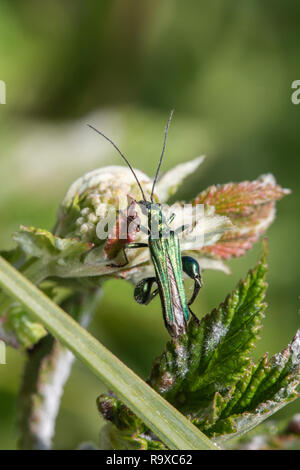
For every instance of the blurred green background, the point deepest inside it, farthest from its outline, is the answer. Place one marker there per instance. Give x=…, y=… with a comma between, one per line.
x=225, y=66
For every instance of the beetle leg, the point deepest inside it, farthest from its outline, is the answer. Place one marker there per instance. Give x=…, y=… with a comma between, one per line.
x=142, y=228
x=181, y=229
x=172, y=217
x=191, y=267
x=130, y=245
x=136, y=245
x=194, y=316
x=114, y=265
x=142, y=291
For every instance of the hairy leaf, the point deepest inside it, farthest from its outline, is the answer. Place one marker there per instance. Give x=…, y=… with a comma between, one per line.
x=250, y=205
x=209, y=376
x=262, y=390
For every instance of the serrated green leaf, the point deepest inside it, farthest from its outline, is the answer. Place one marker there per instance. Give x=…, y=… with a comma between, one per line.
x=213, y=355
x=263, y=390
x=208, y=373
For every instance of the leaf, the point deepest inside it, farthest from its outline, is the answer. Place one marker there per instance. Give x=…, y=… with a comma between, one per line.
x=167, y=185
x=19, y=323
x=124, y=431
x=70, y=257
x=40, y=243
x=261, y=391
x=27, y=331
x=67, y=216
x=208, y=373
x=279, y=434
x=241, y=199
x=250, y=207
x=214, y=354
x=12, y=256
x=165, y=421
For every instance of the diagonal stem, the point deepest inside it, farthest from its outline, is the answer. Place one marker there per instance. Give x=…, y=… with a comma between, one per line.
x=163, y=419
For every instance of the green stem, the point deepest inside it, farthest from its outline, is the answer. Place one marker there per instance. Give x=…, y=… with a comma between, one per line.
x=163, y=419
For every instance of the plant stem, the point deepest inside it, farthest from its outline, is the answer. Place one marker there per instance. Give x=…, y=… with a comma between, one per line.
x=46, y=372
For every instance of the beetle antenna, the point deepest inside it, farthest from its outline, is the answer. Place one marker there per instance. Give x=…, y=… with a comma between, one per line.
x=162, y=154
x=123, y=156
